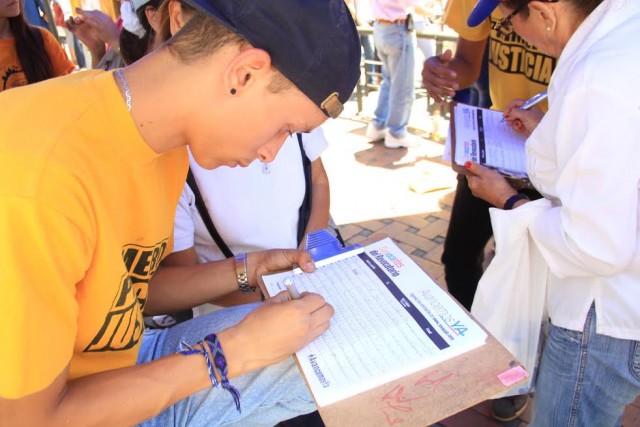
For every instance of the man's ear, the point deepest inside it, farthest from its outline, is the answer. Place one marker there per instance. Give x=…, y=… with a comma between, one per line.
x=248, y=67
x=176, y=16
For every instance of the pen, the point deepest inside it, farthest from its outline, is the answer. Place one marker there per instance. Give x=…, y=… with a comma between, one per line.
x=534, y=100
x=291, y=288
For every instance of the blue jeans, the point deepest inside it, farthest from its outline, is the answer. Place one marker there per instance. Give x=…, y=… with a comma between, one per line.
x=585, y=379
x=369, y=54
x=395, y=46
x=268, y=396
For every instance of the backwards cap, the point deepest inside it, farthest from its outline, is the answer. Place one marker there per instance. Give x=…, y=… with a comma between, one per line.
x=481, y=11
x=314, y=43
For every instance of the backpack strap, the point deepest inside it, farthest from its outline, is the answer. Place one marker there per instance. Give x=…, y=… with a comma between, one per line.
x=304, y=212
x=206, y=218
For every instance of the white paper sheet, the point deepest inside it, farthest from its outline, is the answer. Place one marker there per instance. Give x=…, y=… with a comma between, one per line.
x=390, y=320
x=482, y=138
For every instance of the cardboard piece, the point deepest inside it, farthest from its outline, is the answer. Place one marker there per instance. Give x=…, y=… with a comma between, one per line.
x=432, y=394
x=428, y=396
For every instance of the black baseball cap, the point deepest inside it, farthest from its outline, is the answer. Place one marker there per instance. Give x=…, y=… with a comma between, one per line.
x=314, y=43
x=481, y=11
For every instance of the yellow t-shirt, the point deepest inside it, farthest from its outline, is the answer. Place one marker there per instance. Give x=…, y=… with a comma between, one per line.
x=86, y=215
x=11, y=74
x=516, y=68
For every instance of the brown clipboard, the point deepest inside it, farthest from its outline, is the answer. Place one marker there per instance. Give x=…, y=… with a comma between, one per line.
x=429, y=395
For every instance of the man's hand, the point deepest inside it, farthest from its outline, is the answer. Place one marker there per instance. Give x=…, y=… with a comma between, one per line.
x=274, y=331
x=439, y=80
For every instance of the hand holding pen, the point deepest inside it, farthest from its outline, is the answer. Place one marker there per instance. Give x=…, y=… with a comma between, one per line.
x=521, y=116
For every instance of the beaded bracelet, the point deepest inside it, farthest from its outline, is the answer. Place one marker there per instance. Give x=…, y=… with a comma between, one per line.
x=221, y=363
x=186, y=350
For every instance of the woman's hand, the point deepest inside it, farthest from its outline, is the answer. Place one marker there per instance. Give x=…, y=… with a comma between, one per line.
x=522, y=121
x=439, y=80
x=274, y=331
x=488, y=185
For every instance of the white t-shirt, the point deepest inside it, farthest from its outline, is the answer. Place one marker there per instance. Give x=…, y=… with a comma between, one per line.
x=253, y=208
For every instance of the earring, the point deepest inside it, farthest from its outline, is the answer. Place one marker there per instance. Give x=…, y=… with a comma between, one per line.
x=233, y=91
x=548, y=28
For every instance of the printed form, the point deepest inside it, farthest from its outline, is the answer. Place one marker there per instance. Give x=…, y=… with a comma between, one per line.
x=390, y=320
x=482, y=138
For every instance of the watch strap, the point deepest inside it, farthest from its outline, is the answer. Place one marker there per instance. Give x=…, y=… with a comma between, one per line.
x=242, y=276
x=508, y=205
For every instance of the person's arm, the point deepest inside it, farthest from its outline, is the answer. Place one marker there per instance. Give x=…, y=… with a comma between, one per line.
x=445, y=74
x=97, y=30
x=128, y=396
x=320, y=199
x=173, y=289
x=185, y=254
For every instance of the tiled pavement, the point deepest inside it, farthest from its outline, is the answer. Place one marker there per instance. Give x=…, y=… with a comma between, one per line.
x=407, y=195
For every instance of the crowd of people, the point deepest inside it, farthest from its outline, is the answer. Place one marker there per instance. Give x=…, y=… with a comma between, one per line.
x=111, y=207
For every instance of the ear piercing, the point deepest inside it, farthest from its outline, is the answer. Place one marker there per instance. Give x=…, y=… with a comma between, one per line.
x=233, y=91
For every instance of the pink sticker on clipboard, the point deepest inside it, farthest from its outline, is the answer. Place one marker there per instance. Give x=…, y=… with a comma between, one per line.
x=513, y=375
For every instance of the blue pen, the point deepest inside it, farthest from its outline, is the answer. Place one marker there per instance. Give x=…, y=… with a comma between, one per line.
x=534, y=100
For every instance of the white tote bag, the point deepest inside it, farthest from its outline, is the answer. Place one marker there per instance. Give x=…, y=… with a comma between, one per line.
x=510, y=300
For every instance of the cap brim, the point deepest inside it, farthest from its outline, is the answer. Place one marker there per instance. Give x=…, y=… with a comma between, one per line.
x=481, y=11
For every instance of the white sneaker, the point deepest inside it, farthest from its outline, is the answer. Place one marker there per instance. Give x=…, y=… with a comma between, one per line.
x=392, y=142
x=374, y=134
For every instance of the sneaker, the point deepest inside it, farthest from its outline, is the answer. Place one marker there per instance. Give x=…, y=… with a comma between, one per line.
x=407, y=141
x=509, y=408
x=374, y=134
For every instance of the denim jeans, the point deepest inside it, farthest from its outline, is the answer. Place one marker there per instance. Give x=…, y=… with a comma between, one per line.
x=426, y=46
x=585, y=379
x=395, y=46
x=268, y=396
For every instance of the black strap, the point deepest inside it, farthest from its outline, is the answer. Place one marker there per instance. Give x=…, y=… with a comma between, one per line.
x=204, y=214
x=304, y=212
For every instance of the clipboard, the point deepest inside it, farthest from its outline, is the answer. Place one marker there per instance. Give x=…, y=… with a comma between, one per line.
x=516, y=180
x=429, y=395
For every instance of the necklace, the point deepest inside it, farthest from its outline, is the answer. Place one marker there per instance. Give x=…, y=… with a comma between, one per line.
x=125, y=87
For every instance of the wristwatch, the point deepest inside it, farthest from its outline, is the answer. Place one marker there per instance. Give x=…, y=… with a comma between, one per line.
x=508, y=205
x=241, y=274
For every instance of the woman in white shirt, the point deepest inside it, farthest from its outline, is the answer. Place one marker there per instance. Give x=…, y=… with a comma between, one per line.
x=582, y=157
